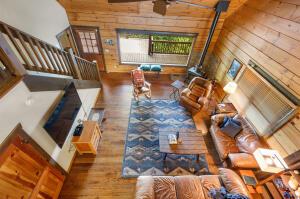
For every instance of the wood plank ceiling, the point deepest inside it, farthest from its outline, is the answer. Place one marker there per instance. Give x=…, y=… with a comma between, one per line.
x=139, y=15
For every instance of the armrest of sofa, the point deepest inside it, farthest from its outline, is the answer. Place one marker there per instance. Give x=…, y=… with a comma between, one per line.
x=242, y=161
x=144, y=188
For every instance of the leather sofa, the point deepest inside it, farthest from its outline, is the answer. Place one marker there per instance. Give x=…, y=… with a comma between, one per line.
x=236, y=152
x=196, y=94
x=188, y=187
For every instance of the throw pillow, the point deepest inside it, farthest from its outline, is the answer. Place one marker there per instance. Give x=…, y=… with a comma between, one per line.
x=224, y=121
x=231, y=127
x=156, y=68
x=222, y=193
x=145, y=67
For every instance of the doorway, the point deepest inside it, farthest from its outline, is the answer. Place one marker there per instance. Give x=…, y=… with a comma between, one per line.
x=89, y=44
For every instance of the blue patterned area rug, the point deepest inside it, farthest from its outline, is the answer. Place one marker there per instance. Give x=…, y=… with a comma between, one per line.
x=142, y=156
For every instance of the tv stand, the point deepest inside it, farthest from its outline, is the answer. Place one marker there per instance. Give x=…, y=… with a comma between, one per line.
x=89, y=139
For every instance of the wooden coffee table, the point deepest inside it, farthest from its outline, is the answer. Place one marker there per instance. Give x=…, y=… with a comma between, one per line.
x=192, y=143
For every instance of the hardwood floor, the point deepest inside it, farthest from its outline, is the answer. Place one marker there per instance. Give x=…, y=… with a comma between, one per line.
x=100, y=176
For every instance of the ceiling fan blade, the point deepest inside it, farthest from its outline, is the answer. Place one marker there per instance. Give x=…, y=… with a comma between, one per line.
x=125, y=1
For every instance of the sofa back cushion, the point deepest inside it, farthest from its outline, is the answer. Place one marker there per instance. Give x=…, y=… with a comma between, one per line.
x=247, y=140
x=189, y=187
x=164, y=187
x=232, y=182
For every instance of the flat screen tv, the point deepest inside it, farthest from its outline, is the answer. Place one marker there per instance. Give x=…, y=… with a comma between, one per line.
x=61, y=120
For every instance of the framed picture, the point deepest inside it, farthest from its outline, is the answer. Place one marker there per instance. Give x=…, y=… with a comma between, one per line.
x=234, y=69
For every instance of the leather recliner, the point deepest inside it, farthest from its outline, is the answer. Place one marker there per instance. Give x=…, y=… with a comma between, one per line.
x=196, y=95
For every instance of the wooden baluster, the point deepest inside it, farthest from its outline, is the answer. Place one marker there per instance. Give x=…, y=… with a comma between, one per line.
x=58, y=66
x=48, y=65
x=67, y=66
x=82, y=69
x=12, y=38
x=20, y=37
x=74, y=64
x=72, y=71
x=36, y=53
x=88, y=68
x=54, y=69
x=65, y=71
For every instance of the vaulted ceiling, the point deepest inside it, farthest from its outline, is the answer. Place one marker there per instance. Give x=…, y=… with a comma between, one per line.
x=145, y=7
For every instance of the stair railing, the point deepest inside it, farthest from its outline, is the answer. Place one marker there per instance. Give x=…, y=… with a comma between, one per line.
x=36, y=55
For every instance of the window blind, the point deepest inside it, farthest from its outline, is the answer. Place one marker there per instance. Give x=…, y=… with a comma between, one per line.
x=263, y=102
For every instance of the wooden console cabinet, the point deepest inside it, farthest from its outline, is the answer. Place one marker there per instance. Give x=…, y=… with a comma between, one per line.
x=26, y=170
x=89, y=139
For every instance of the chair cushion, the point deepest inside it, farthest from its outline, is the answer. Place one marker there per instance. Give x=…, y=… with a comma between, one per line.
x=231, y=126
x=156, y=68
x=145, y=67
x=138, y=78
x=233, y=182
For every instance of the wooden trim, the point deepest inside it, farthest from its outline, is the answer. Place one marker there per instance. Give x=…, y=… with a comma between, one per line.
x=40, y=83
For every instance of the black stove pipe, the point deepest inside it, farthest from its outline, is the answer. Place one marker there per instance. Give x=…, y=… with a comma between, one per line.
x=222, y=6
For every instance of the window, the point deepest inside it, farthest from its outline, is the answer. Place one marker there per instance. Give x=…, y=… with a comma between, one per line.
x=137, y=47
x=88, y=41
x=261, y=103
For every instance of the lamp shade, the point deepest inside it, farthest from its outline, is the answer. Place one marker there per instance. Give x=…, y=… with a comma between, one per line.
x=269, y=160
x=230, y=87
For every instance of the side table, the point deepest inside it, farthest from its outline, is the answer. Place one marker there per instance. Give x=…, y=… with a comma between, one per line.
x=176, y=86
x=225, y=108
x=254, y=191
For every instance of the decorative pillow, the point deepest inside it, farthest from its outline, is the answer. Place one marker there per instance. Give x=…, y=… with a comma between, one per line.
x=145, y=67
x=231, y=127
x=222, y=193
x=224, y=121
x=198, y=90
x=156, y=68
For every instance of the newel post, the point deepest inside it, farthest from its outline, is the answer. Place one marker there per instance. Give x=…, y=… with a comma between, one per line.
x=98, y=72
x=74, y=65
x=10, y=58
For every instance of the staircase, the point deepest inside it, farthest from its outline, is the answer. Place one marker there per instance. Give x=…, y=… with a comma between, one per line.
x=41, y=65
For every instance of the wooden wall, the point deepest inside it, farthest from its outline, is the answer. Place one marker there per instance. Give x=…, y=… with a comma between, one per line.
x=267, y=32
x=108, y=17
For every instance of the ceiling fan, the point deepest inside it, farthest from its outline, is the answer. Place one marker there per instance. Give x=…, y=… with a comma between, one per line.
x=160, y=6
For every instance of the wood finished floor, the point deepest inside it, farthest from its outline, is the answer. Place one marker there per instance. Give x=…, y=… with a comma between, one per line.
x=100, y=176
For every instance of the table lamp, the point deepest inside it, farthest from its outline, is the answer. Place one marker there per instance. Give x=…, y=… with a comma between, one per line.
x=269, y=160
x=229, y=88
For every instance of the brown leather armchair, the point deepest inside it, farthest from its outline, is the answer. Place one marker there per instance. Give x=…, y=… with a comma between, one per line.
x=196, y=94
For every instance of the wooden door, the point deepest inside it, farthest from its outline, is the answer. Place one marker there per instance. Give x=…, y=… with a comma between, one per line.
x=25, y=172
x=89, y=44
